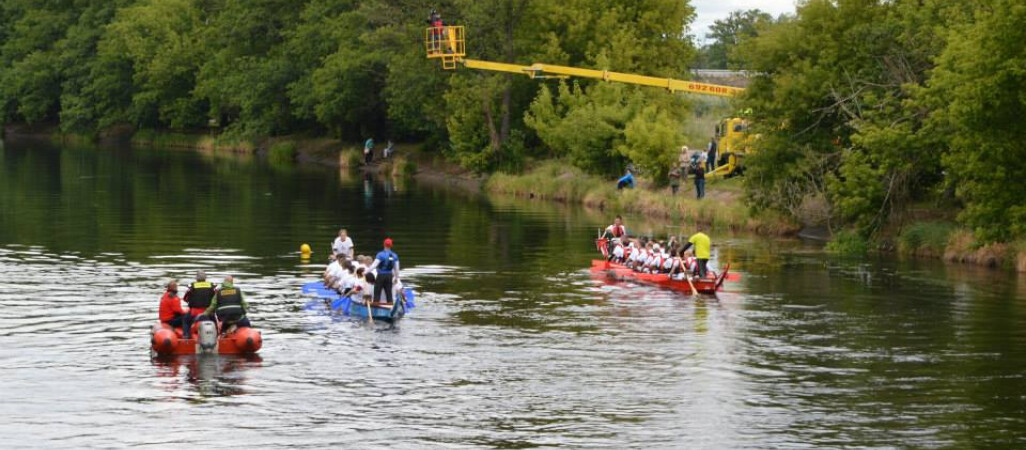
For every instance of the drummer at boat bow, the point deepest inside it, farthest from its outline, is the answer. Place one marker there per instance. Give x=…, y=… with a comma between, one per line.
x=199, y=295
x=702, y=251
x=616, y=231
x=387, y=266
x=228, y=305
x=343, y=245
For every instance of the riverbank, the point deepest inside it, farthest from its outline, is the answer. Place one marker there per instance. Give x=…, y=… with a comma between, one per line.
x=553, y=181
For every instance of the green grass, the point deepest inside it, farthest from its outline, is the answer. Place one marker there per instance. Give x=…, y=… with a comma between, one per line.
x=848, y=243
x=403, y=167
x=152, y=138
x=350, y=158
x=560, y=182
x=282, y=153
x=926, y=238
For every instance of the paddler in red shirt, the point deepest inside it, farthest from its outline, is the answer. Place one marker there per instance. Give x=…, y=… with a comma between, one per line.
x=171, y=311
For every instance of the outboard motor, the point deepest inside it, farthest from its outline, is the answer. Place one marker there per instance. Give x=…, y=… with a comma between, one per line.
x=207, y=336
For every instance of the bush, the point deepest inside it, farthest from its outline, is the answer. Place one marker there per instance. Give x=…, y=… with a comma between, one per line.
x=848, y=242
x=283, y=152
x=925, y=238
x=402, y=167
x=350, y=158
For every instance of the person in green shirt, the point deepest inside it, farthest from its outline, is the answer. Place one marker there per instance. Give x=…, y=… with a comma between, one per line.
x=702, y=251
x=228, y=305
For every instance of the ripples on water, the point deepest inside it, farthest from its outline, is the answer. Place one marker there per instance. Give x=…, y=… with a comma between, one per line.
x=605, y=365
x=513, y=344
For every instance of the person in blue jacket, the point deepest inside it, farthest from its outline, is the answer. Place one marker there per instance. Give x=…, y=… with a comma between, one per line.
x=387, y=265
x=626, y=181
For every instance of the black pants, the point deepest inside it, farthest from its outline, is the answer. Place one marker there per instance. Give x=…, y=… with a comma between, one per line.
x=383, y=281
x=703, y=267
x=177, y=321
x=368, y=157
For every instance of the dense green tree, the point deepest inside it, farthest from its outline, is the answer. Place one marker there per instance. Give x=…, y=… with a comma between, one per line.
x=978, y=96
x=836, y=110
x=726, y=34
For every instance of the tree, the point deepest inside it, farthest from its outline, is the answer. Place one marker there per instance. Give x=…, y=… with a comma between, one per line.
x=727, y=34
x=976, y=93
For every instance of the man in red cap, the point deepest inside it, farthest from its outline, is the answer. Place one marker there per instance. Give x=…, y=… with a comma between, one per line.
x=387, y=263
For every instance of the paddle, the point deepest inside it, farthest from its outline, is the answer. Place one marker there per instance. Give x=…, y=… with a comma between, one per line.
x=693, y=290
x=370, y=316
x=408, y=293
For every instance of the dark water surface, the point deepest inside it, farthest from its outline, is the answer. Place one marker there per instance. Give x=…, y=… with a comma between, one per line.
x=513, y=343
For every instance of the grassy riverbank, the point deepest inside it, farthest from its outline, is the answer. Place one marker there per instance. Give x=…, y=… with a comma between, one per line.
x=723, y=206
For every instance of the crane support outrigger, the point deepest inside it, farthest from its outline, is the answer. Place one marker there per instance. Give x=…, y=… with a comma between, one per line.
x=448, y=43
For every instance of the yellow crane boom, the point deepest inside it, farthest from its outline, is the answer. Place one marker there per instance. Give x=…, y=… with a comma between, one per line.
x=448, y=44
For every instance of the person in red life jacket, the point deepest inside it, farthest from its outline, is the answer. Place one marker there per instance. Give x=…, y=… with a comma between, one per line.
x=198, y=297
x=387, y=265
x=437, y=30
x=614, y=234
x=229, y=306
x=171, y=311
x=616, y=230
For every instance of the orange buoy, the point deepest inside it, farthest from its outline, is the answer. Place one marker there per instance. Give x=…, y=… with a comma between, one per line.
x=164, y=340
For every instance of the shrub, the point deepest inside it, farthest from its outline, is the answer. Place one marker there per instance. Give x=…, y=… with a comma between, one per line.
x=925, y=238
x=283, y=152
x=350, y=158
x=848, y=242
x=402, y=167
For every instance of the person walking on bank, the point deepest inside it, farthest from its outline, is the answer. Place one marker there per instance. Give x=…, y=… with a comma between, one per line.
x=710, y=164
x=700, y=180
x=675, y=180
x=387, y=265
x=368, y=151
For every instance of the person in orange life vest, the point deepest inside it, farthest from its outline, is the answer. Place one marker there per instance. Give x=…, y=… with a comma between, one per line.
x=171, y=311
x=199, y=295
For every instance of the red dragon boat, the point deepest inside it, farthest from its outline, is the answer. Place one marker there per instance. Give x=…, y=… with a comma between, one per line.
x=707, y=285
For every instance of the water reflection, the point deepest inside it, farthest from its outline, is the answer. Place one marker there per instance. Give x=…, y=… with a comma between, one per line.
x=206, y=375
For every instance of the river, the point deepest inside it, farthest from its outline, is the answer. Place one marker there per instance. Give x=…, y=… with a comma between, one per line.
x=513, y=343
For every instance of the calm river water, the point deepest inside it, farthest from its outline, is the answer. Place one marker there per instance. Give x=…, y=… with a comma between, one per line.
x=513, y=343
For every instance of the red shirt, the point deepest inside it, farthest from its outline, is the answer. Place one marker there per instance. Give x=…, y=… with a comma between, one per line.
x=170, y=306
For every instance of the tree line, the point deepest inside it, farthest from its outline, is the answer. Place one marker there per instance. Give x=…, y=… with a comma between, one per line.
x=868, y=110
x=352, y=69
x=864, y=108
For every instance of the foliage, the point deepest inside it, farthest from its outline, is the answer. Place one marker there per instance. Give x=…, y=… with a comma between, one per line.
x=727, y=34
x=848, y=243
x=925, y=238
x=838, y=107
x=977, y=90
x=283, y=152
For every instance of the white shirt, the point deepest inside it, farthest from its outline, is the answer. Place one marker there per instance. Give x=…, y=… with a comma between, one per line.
x=348, y=281
x=344, y=248
x=334, y=270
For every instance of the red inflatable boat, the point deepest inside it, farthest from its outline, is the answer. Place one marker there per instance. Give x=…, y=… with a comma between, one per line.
x=165, y=340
